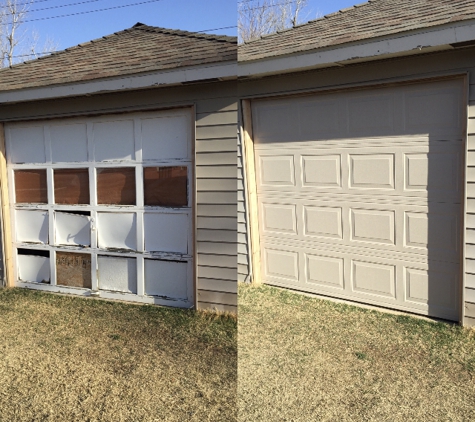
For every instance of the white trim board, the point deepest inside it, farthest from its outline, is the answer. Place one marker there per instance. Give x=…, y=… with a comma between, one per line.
x=222, y=71
x=402, y=44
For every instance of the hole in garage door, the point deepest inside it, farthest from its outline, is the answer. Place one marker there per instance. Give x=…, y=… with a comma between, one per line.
x=89, y=215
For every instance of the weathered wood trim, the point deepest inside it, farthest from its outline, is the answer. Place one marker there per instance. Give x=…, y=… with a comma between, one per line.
x=123, y=83
x=248, y=148
x=6, y=222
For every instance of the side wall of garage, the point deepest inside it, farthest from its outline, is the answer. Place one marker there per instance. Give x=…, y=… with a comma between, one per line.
x=459, y=61
x=216, y=182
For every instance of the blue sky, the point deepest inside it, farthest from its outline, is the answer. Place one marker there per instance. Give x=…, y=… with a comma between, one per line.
x=192, y=15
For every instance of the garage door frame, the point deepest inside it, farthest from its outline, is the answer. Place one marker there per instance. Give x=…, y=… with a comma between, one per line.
x=9, y=256
x=250, y=165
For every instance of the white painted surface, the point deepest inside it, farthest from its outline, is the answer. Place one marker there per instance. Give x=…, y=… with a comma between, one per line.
x=31, y=226
x=166, y=138
x=166, y=232
x=114, y=140
x=26, y=144
x=116, y=230
x=166, y=278
x=363, y=201
x=72, y=229
x=32, y=268
x=117, y=274
x=68, y=142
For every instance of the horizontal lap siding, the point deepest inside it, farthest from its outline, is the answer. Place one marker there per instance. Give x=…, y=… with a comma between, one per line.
x=216, y=170
x=461, y=61
x=470, y=219
x=217, y=208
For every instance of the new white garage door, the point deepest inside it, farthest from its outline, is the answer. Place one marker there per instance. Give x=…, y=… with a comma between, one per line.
x=359, y=194
x=104, y=204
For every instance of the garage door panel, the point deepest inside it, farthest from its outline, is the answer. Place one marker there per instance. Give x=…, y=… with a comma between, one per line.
x=431, y=232
x=373, y=278
x=359, y=194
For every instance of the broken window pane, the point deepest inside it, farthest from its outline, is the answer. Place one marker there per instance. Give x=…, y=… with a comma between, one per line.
x=116, y=186
x=33, y=266
x=30, y=187
x=73, y=269
x=72, y=229
x=166, y=186
x=116, y=230
x=71, y=186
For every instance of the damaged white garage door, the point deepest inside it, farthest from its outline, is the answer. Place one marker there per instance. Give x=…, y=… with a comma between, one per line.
x=103, y=205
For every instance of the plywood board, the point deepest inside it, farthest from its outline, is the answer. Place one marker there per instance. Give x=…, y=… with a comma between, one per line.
x=116, y=186
x=117, y=274
x=31, y=226
x=166, y=278
x=71, y=186
x=116, y=230
x=33, y=268
x=73, y=269
x=72, y=229
x=166, y=186
x=31, y=187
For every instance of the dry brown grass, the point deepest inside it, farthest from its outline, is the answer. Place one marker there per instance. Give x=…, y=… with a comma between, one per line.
x=302, y=359
x=69, y=359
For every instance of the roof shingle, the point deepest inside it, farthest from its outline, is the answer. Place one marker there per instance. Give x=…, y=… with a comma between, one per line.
x=140, y=49
x=375, y=18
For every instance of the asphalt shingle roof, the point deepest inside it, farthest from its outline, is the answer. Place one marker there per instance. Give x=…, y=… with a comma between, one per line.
x=375, y=18
x=140, y=49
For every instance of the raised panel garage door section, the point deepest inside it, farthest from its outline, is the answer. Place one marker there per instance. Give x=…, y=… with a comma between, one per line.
x=103, y=205
x=360, y=193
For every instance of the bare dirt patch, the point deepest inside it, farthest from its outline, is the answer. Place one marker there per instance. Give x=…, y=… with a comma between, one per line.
x=71, y=359
x=302, y=359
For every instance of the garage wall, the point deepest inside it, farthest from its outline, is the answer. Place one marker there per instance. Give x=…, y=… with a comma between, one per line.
x=424, y=66
x=216, y=117
x=243, y=252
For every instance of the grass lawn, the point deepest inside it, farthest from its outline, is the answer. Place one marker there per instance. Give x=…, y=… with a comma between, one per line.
x=304, y=359
x=69, y=359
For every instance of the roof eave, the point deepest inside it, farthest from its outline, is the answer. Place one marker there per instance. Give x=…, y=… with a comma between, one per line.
x=420, y=41
x=180, y=76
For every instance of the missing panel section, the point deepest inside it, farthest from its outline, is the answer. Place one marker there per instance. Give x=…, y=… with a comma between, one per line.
x=33, y=266
x=71, y=186
x=166, y=186
x=73, y=270
x=31, y=187
x=117, y=274
x=116, y=186
x=168, y=279
x=72, y=229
